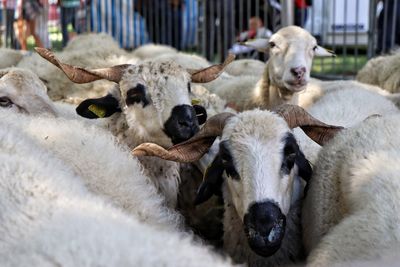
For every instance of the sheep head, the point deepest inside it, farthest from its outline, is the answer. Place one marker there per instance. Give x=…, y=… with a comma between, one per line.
x=260, y=158
x=291, y=51
x=154, y=96
x=22, y=91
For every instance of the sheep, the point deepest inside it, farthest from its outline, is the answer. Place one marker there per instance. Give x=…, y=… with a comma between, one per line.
x=258, y=166
x=247, y=67
x=337, y=107
x=10, y=57
x=382, y=71
x=344, y=103
x=152, y=105
x=60, y=87
x=149, y=51
x=48, y=218
x=286, y=73
x=351, y=211
x=187, y=61
x=106, y=168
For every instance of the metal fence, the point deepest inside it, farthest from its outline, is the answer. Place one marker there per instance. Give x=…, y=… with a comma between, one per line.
x=356, y=30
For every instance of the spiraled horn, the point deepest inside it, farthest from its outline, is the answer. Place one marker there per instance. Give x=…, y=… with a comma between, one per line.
x=318, y=131
x=81, y=75
x=211, y=73
x=192, y=149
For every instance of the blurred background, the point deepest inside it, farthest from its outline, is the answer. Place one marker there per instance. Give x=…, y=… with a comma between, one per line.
x=356, y=30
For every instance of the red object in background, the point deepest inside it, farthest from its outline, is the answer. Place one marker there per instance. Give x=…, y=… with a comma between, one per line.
x=53, y=13
x=301, y=3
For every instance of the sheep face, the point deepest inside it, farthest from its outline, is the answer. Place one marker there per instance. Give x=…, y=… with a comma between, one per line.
x=260, y=157
x=22, y=91
x=154, y=97
x=292, y=50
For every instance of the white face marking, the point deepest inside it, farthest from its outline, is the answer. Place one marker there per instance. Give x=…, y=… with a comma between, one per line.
x=293, y=48
x=256, y=142
x=166, y=86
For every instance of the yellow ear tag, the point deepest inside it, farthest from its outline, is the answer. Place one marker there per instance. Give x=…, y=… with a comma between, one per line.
x=99, y=111
x=196, y=101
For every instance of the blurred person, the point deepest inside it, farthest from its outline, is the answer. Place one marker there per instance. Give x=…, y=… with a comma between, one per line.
x=68, y=11
x=301, y=12
x=10, y=6
x=26, y=13
x=256, y=30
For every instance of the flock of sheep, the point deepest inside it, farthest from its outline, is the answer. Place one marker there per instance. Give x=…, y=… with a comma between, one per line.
x=158, y=158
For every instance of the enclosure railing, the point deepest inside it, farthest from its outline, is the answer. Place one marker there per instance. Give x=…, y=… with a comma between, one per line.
x=356, y=30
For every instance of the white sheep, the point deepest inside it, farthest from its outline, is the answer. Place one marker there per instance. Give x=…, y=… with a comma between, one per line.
x=352, y=209
x=382, y=71
x=48, y=218
x=246, y=67
x=187, y=61
x=248, y=138
x=105, y=167
x=149, y=51
x=343, y=103
x=286, y=72
x=155, y=105
x=10, y=57
x=261, y=187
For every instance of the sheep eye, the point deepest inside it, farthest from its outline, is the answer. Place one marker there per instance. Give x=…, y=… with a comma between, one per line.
x=189, y=88
x=5, y=102
x=227, y=162
x=272, y=44
x=315, y=48
x=136, y=95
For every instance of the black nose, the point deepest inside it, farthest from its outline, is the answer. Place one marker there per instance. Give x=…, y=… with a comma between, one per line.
x=264, y=225
x=182, y=124
x=298, y=72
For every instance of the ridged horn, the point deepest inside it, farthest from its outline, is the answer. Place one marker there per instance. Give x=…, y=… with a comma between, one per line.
x=82, y=75
x=318, y=131
x=192, y=149
x=211, y=73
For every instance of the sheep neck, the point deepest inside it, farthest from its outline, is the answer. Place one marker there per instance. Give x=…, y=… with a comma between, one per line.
x=272, y=95
x=164, y=174
x=236, y=245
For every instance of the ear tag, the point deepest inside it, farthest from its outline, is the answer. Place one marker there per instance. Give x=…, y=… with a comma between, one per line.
x=99, y=111
x=196, y=101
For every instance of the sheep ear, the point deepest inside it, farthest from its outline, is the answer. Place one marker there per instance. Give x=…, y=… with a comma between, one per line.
x=260, y=44
x=212, y=182
x=323, y=52
x=98, y=107
x=201, y=113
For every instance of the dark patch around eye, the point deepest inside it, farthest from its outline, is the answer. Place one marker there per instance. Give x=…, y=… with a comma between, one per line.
x=227, y=161
x=137, y=95
x=290, y=152
x=293, y=155
x=5, y=102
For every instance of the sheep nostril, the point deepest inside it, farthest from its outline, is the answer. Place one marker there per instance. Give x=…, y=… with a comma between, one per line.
x=298, y=72
x=185, y=123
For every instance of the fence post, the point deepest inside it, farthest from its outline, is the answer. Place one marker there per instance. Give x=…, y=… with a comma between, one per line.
x=287, y=13
x=372, y=28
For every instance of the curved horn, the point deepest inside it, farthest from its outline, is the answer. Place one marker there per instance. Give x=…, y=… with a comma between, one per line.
x=81, y=75
x=318, y=131
x=192, y=149
x=211, y=73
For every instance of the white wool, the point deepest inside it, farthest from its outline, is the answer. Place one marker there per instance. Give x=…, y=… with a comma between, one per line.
x=351, y=212
x=106, y=168
x=50, y=219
